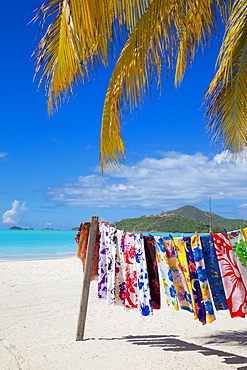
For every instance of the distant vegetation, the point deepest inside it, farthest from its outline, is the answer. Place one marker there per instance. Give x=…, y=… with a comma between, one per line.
x=187, y=219
x=15, y=228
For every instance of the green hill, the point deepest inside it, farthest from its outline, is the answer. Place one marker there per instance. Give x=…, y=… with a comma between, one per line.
x=187, y=219
x=218, y=222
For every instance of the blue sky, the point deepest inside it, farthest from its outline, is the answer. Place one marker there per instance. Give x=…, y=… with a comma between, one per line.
x=49, y=168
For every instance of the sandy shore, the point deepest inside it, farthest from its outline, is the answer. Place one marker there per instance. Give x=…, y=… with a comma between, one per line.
x=38, y=320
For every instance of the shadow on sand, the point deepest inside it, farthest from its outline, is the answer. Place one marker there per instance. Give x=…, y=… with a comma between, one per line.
x=174, y=344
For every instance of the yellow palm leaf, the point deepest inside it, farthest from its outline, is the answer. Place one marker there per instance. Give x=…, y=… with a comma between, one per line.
x=167, y=31
x=227, y=94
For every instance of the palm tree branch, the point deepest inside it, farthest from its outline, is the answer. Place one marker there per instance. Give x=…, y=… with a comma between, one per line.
x=227, y=94
x=164, y=27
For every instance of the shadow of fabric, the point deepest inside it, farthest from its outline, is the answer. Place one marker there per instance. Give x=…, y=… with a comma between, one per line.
x=174, y=344
x=229, y=337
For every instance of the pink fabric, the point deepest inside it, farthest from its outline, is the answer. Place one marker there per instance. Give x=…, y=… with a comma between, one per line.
x=236, y=293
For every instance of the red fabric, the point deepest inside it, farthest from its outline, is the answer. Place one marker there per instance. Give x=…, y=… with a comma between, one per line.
x=236, y=293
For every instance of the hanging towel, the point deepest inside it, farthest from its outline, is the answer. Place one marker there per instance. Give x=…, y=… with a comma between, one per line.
x=111, y=258
x=197, y=293
x=238, y=245
x=120, y=287
x=131, y=297
x=180, y=246
x=202, y=275
x=235, y=290
x=153, y=274
x=213, y=272
x=143, y=291
x=179, y=281
x=82, y=240
x=103, y=263
x=170, y=291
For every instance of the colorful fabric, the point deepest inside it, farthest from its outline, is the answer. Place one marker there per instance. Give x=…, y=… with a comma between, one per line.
x=143, y=291
x=236, y=293
x=103, y=263
x=170, y=291
x=111, y=258
x=179, y=280
x=238, y=244
x=202, y=275
x=213, y=272
x=120, y=288
x=131, y=297
x=82, y=239
x=180, y=246
x=197, y=293
x=153, y=274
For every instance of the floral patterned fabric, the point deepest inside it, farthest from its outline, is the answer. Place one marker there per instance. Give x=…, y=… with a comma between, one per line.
x=131, y=296
x=180, y=246
x=143, y=291
x=111, y=258
x=236, y=293
x=213, y=272
x=179, y=280
x=82, y=239
x=152, y=267
x=202, y=275
x=170, y=291
x=103, y=263
x=120, y=287
x=197, y=293
x=238, y=244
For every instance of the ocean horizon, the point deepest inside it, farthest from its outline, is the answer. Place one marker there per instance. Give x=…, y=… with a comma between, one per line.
x=37, y=244
x=43, y=244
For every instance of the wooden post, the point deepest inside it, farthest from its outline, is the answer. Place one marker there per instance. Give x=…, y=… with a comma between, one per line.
x=87, y=277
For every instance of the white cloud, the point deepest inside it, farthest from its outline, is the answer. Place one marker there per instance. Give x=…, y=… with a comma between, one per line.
x=155, y=183
x=3, y=155
x=11, y=216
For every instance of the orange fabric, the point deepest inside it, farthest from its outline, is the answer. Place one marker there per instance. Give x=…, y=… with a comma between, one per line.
x=82, y=239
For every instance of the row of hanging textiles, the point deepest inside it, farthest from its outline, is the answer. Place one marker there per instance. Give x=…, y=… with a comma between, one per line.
x=201, y=274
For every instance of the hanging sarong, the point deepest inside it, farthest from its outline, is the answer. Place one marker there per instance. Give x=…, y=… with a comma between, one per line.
x=82, y=240
x=143, y=291
x=213, y=272
x=119, y=270
x=239, y=248
x=131, y=297
x=197, y=293
x=103, y=263
x=111, y=257
x=179, y=280
x=202, y=275
x=235, y=290
x=170, y=291
x=180, y=247
x=153, y=274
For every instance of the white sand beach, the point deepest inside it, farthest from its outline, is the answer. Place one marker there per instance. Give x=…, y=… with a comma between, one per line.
x=39, y=310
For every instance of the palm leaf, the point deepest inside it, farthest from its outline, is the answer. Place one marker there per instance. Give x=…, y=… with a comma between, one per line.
x=167, y=31
x=78, y=39
x=227, y=94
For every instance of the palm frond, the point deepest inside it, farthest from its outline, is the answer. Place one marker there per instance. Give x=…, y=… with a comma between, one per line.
x=167, y=31
x=78, y=39
x=226, y=97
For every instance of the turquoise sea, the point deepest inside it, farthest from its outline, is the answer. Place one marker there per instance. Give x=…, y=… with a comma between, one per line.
x=41, y=244
x=36, y=244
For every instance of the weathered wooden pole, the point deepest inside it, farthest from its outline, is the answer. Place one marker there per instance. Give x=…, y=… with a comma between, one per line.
x=87, y=277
